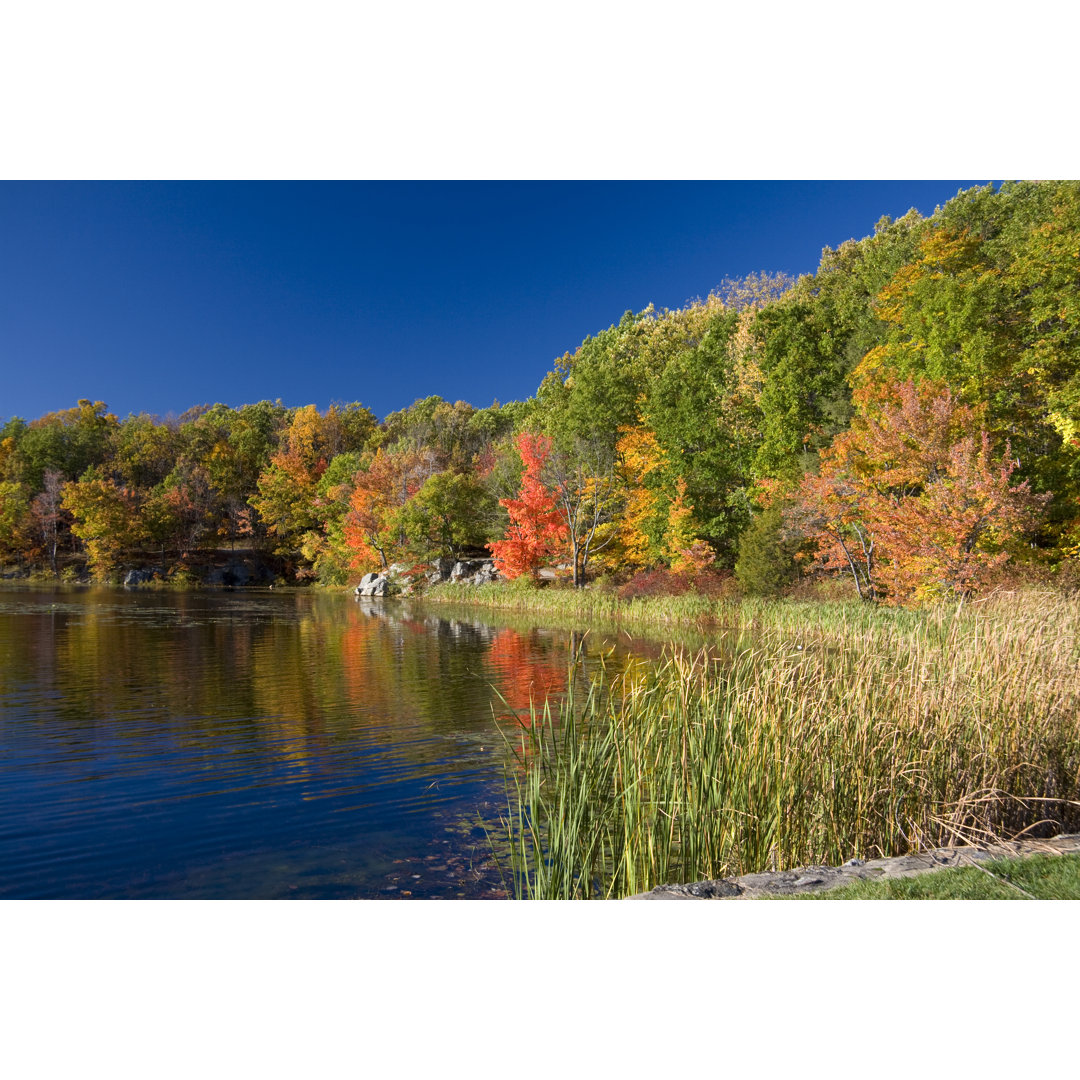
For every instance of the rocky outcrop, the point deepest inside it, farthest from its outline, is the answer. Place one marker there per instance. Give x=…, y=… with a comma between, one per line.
x=240, y=572
x=403, y=580
x=812, y=879
x=463, y=571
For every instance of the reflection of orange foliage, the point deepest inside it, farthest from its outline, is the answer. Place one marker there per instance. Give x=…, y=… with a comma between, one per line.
x=356, y=654
x=523, y=675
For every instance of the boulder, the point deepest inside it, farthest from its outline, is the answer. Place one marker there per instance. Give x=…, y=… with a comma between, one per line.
x=485, y=574
x=373, y=585
x=141, y=577
x=474, y=571
x=441, y=569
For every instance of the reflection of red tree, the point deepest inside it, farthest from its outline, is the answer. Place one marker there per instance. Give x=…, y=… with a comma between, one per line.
x=523, y=674
x=526, y=678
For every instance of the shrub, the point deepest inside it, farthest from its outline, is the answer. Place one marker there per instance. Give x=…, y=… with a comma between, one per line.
x=766, y=562
x=707, y=582
x=656, y=582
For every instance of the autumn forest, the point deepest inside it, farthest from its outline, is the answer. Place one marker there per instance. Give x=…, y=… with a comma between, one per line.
x=906, y=419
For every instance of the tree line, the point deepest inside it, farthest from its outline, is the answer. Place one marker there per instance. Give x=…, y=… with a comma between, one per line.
x=908, y=415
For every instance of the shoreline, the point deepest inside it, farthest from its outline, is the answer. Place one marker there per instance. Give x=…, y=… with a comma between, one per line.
x=779, y=884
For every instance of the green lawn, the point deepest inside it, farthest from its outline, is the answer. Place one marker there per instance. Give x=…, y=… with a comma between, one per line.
x=1043, y=877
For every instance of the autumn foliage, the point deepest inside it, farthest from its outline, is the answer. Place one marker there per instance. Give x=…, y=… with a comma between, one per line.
x=537, y=531
x=912, y=502
x=900, y=417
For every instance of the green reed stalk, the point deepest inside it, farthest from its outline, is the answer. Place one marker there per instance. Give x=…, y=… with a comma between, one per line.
x=801, y=744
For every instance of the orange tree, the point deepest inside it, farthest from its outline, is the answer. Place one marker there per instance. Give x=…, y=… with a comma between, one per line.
x=537, y=530
x=912, y=501
x=374, y=529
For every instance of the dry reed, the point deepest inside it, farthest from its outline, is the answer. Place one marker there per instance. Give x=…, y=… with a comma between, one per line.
x=796, y=741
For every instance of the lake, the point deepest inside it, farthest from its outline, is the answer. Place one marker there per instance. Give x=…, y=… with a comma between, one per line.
x=261, y=744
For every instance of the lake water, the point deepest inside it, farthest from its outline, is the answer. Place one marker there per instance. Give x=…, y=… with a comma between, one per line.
x=258, y=745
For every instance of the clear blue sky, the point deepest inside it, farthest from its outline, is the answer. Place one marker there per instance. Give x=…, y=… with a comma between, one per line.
x=158, y=296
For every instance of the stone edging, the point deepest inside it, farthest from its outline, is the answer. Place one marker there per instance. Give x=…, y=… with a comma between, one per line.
x=814, y=879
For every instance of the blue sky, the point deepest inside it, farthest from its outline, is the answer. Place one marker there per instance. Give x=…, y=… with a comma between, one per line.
x=158, y=296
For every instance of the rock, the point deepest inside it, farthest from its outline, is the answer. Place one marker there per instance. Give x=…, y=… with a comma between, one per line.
x=485, y=574
x=441, y=570
x=473, y=571
x=699, y=890
x=373, y=585
x=768, y=884
x=232, y=573
x=240, y=572
x=141, y=577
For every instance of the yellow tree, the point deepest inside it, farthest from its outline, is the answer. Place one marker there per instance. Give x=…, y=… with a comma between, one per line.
x=106, y=519
x=642, y=521
x=684, y=550
x=287, y=493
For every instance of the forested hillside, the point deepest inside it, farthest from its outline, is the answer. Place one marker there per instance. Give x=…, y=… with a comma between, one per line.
x=908, y=416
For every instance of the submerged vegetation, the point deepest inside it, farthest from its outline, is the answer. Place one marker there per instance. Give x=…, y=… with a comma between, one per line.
x=811, y=736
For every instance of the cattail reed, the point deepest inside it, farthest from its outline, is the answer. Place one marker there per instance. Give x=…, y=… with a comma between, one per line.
x=806, y=734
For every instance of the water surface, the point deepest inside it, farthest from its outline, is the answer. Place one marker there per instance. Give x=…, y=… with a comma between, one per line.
x=253, y=745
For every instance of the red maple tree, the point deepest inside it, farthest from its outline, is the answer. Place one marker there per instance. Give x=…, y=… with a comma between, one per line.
x=537, y=529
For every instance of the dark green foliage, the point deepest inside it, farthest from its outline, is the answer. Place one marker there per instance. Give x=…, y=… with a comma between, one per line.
x=449, y=514
x=805, y=398
x=845, y=288
x=68, y=442
x=698, y=427
x=766, y=563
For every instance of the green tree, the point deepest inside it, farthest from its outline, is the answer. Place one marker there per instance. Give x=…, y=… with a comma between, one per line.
x=767, y=550
x=68, y=442
x=703, y=416
x=804, y=400
x=448, y=515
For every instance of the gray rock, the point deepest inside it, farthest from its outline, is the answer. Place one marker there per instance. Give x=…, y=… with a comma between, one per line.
x=234, y=572
x=373, y=585
x=768, y=884
x=485, y=574
x=474, y=571
x=441, y=569
x=699, y=890
x=141, y=577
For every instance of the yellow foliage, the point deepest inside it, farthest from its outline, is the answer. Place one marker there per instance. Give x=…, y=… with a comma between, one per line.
x=680, y=532
x=640, y=454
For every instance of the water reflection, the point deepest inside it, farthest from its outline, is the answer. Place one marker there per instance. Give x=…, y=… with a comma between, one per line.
x=262, y=744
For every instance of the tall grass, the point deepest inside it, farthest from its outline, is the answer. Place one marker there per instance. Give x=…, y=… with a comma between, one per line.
x=577, y=603
x=856, y=734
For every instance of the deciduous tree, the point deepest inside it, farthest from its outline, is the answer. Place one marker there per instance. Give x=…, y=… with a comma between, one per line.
x=912, y=501
x=537, y=529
